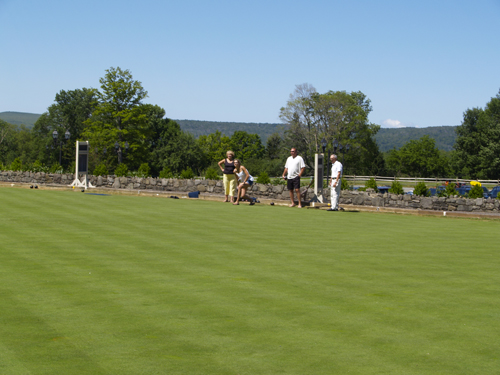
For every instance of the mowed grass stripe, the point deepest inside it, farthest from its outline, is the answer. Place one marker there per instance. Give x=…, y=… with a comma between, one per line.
x=56, y=246
x=71, y=250
x=233, y=290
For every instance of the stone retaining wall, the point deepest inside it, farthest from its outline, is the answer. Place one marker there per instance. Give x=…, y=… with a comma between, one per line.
x=422, y=203
x=278, y=192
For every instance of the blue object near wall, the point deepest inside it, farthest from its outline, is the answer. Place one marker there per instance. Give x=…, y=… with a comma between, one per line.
x=194, y=194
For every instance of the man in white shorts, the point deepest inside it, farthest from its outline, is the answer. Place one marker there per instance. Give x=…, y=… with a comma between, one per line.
x=335, y=183
x=294, y=168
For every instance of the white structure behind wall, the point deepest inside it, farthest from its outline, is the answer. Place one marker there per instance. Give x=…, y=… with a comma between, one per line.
x=82, y=165
x=318, y=178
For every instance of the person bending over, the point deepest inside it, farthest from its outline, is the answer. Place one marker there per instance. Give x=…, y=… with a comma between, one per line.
x=245, y=180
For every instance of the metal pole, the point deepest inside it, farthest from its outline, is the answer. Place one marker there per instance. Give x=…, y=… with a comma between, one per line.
x=328, y=168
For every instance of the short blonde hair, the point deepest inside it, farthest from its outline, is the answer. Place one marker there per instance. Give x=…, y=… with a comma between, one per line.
x=229, y=152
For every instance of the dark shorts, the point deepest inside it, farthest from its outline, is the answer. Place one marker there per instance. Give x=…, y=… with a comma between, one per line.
x=293, y=184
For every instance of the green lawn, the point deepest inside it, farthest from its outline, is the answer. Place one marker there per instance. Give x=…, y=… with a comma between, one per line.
x=144, y=285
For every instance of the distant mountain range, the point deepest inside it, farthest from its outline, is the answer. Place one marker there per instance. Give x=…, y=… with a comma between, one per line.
x=387, y=139
x=197, y=128
x=19, y=118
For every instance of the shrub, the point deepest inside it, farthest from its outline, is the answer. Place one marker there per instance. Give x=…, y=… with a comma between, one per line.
x=56, y=168
x=72, y=167
x=371, y=184
x=278, y=181
x=101, y=170
x=121, y=170
x=38, y=166
x=16, y=165
x=187, y=174
x=396, y=188
x=211, y=174
x=421, y=190
x=449, y=191
x=166, y=173
x=2, y=167
x=263, y=178
x=144, y=171
x=344, y=185
x=476, y=192
x=257, y=166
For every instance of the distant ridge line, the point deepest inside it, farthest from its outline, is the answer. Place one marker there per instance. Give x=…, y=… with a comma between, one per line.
x=386, y=138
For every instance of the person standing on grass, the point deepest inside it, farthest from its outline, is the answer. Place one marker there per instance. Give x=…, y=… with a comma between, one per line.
x=294, y=168
x=229, y=178
x=245, y=181
x=335, y=183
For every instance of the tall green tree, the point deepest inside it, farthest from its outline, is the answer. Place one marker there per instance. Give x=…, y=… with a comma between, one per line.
x=477, y=147
x=7, y=142
x=171, y=147
x=26, y=148
x=5, y=129
x=246, y=146
x=69, y=113
x=72, y=109
x=335, y=115
x=17, y=142
x=418, y=158
x=120, y=121
x=275, y=147
x=273, y=160
x=188, y=154
x=214, y=146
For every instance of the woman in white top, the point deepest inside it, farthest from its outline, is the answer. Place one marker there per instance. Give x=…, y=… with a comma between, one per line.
x=244, y=180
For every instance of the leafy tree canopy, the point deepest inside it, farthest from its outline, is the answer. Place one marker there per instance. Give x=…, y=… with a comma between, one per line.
x=215, y=146
x=172, y=148
x=419, y=158
x=478, y=142
x=246, y=145
x=120, y=120
x=333, y=116
x=69, y=113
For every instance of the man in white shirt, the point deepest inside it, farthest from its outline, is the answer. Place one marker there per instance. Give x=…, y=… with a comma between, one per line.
x=335, y=183
x=294, y=168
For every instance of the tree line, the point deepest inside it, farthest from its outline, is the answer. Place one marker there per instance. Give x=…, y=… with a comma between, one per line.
x=125, y=134
x=475, y=154
x=444, y=137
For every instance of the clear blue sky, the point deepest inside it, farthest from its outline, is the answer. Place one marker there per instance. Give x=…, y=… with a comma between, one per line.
x=422, y=63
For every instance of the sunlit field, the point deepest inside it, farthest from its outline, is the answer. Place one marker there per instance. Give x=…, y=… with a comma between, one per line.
x=94, y=284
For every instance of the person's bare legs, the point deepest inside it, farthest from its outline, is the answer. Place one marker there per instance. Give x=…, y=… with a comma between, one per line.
x=297, y=191
x=244, y=194
x=291, y=198
x=238, y=195
x=225, y=183
x=232, y=187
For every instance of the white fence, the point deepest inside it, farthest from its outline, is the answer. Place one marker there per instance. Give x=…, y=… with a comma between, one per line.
x=437, y=181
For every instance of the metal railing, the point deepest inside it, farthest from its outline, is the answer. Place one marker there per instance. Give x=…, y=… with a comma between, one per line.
x=427, y=180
